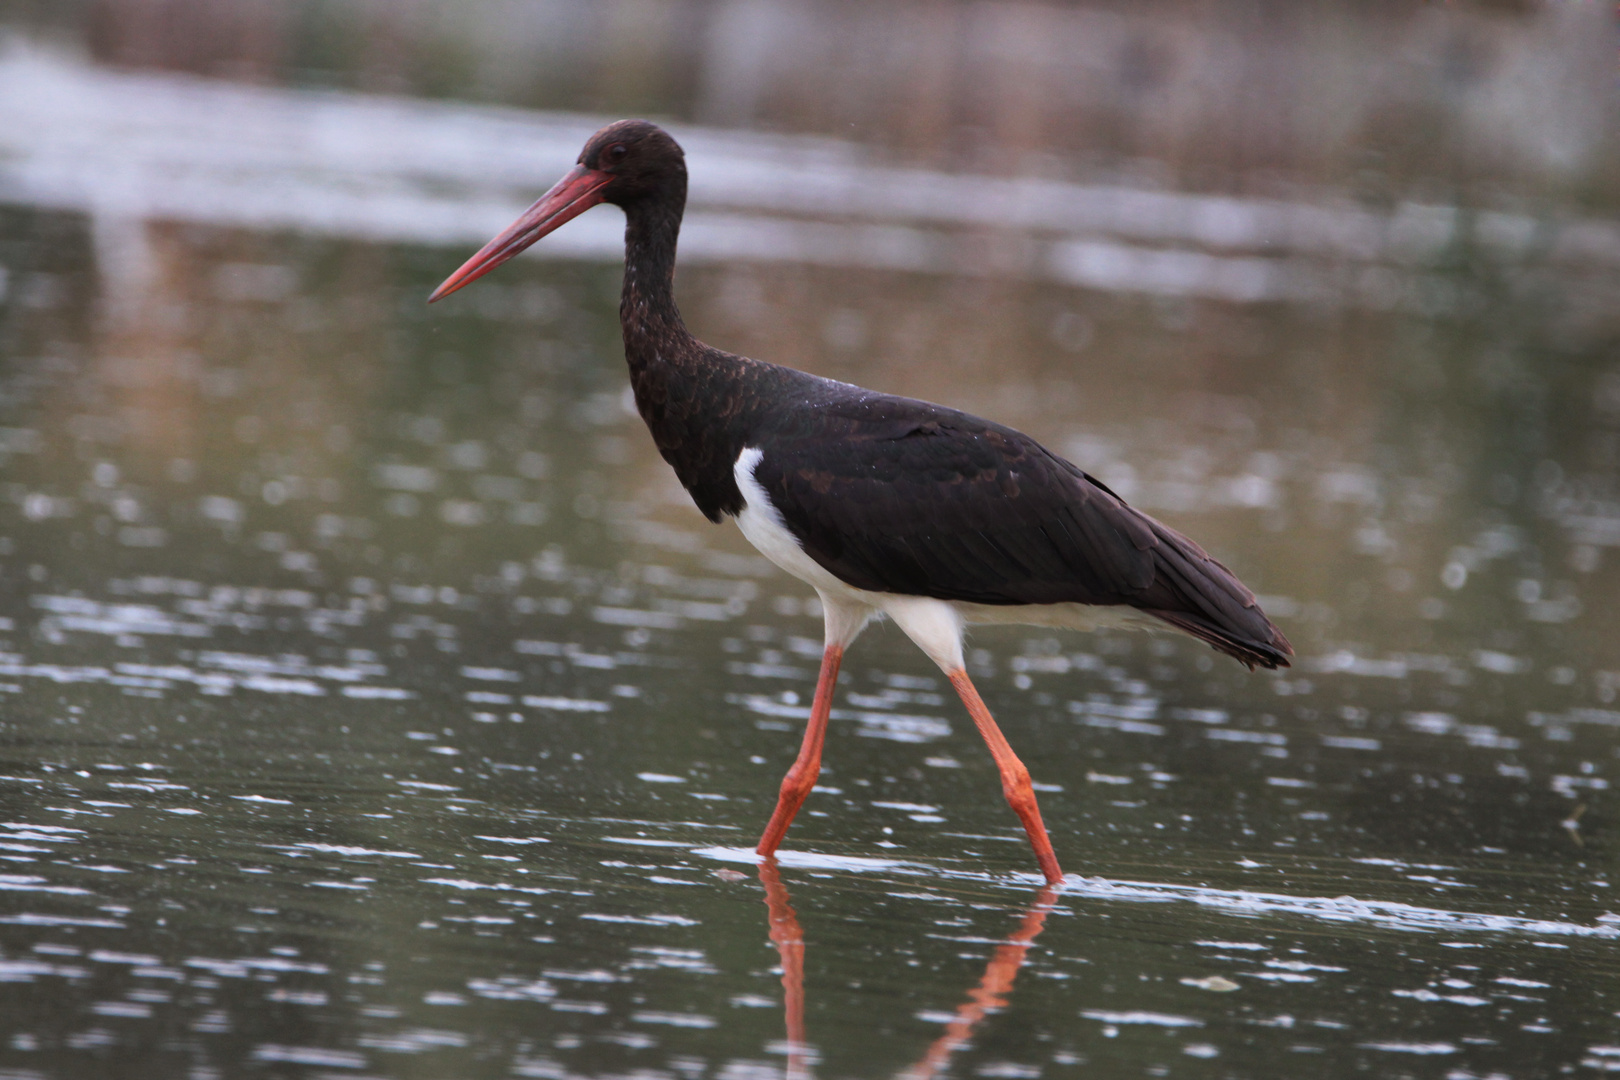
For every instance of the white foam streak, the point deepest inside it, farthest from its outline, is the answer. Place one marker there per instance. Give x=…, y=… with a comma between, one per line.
x=1335, y=909
x=1384, y=914
x=812, y=860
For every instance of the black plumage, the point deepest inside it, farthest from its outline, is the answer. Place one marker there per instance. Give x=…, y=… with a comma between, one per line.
x=889, y=493
x=895, y=498
x=896, y=495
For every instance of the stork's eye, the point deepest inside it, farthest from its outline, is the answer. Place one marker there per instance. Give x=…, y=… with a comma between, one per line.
x=617, y=151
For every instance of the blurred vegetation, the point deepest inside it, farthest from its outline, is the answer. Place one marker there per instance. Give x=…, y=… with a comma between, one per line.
x=1487, y=103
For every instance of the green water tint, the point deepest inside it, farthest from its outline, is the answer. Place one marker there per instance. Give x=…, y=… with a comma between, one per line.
x=374, y=702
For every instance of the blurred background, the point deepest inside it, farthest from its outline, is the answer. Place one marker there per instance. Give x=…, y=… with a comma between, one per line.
x=1381, y=102
x=1333, y=288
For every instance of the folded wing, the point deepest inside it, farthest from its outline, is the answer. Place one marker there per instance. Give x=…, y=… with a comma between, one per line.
x=916, y=499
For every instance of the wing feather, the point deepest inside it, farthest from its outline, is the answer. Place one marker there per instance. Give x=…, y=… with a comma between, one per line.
x=916, y=499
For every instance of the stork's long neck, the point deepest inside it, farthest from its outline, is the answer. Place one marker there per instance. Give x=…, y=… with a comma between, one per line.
x=653, y=331
x=697, y=402
x=683, y=388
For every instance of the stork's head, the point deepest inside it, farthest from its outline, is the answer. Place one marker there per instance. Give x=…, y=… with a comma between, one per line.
x=637, y=156
x=625, y=162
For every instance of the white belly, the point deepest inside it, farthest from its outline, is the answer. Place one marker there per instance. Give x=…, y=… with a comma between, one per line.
x=762, y=524
x=935, y=625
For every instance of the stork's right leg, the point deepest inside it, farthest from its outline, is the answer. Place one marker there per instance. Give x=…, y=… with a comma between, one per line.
x=801, y=777
x=843, y=623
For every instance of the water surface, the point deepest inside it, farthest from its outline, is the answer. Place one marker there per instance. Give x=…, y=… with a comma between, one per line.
x=375, y=704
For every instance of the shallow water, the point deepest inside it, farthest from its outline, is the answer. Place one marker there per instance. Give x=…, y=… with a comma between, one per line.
x=374, y=703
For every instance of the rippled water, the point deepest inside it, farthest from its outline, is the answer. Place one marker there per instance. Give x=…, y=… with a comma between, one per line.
x=373, y=702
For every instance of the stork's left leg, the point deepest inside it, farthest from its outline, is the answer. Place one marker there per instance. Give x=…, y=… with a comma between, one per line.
x=936, y=627
x=1014, y=777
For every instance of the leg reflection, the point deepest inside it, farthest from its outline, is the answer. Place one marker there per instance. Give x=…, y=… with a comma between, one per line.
x=993, y=988
x=789, y=942
x=988, y=996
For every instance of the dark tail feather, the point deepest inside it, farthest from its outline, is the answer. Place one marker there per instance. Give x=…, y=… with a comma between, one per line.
x=1272, y=654
x=1195, y=593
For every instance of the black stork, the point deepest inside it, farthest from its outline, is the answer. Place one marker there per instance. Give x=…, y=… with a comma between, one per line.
x=884, y=505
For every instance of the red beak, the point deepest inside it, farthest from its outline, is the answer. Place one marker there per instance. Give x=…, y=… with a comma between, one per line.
x=572, y=196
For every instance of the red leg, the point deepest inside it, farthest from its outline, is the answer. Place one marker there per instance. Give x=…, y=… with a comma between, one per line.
x=1014, y=777
x=801, y=777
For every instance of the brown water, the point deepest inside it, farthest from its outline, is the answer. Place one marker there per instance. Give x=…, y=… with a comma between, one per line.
x=373, y=695
x=374, y=703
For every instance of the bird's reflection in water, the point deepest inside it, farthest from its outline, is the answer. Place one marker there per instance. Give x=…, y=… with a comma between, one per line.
x=789, y=942
x=989, y=995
